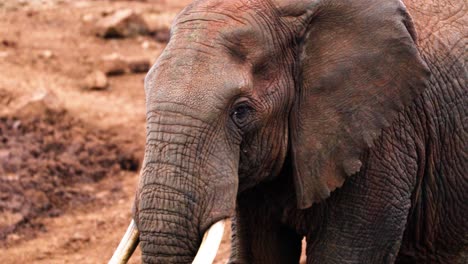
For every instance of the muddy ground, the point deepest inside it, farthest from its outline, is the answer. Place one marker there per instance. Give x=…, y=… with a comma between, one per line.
x=71, y=139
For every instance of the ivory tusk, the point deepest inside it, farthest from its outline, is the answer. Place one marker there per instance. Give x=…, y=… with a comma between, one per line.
x=126, y=246
x=210, y=243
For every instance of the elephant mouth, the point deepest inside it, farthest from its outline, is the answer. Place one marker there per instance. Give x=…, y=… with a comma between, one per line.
x=206, y=253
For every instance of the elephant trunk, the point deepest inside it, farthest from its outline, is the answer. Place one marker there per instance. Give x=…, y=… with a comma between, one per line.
x=168, y=227
x=182, y=191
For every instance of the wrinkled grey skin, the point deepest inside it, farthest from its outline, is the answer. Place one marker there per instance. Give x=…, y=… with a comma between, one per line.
x=344, y=122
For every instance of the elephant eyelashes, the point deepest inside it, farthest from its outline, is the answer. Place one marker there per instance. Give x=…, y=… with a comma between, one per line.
x=241, y=115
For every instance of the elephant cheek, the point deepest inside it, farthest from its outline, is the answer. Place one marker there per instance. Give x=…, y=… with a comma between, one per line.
x=221, y=202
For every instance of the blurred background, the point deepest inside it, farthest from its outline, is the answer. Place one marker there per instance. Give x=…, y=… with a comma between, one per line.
x=72, y=123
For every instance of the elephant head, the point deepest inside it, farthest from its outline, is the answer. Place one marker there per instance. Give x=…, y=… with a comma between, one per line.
x=245, y=88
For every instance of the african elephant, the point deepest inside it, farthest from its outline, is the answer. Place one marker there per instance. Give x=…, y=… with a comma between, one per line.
x=341, y=121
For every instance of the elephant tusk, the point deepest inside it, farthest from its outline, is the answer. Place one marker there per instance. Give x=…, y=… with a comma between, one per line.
x=126, y=246
x=210, y=243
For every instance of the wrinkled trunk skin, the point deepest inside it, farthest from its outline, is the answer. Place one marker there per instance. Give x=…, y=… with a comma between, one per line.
x=180, y=194
x=167, y=235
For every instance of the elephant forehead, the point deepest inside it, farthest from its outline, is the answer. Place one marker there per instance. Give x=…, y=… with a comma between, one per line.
x=215, y=10
x=195, y=81
x=294, y=7
x=238, y=5
x=237, y=18
x=249, y=36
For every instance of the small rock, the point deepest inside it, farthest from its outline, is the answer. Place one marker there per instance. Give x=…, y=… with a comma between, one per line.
x=113, y=64
x=87, y=188
x=159, y=25
x=97, y=80
x=12, y=177
x=9, y=43
x=145, y=44
x=81, y=4
x=87, y=18
x=39, y=103
x=108, y=11
x=13, y=237
x=54, y=212
x=79, y=237
x=46, y=54
x=123, y=23
x=162, y=36
x=40, y=256
x=38, y=198
x=138, y=65
x=23, y=2
x=8, y=219
x=31, y=13
x=17, y=124
x=4, y=54
x=159, y=21
x=101, y=195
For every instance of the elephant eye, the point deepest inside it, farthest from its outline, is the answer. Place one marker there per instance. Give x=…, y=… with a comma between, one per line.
x=241, y=115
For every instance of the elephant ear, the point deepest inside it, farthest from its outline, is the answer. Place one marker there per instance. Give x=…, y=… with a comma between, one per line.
x=359, y=67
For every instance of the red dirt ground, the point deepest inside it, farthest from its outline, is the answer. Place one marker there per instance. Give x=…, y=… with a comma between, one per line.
x=69, y=169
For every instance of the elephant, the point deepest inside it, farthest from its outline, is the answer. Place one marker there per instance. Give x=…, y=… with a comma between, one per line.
x=343, y=122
